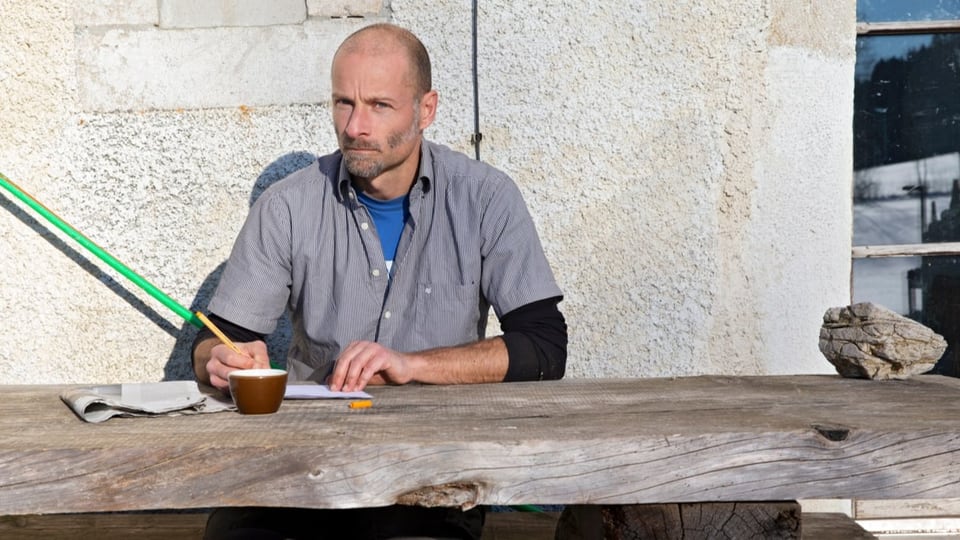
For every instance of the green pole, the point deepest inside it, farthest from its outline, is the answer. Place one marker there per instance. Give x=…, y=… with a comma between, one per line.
x=183, y=312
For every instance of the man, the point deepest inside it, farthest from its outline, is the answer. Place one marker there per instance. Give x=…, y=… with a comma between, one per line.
x=388, y=254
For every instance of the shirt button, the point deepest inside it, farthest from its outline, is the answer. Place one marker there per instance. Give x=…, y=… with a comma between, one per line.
x=386, y=314
x=427, y=290
x=364, y=225
x=376, y=272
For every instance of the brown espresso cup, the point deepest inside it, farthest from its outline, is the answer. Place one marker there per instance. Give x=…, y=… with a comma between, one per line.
x=258, y=391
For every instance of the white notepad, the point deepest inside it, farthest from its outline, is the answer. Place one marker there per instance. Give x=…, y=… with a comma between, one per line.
x=319, y=391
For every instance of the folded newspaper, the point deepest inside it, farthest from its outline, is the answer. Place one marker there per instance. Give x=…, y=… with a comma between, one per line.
x=99, y=403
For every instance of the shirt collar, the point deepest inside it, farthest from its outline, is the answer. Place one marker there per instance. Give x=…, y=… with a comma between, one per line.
x=424, y=178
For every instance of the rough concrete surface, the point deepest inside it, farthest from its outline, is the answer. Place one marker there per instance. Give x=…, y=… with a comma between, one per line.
x=687, y=163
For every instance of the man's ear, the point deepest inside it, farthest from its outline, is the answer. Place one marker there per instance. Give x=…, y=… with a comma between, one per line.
x=428, y=109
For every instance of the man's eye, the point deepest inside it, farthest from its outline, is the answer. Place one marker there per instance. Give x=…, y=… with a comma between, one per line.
x=381, y=105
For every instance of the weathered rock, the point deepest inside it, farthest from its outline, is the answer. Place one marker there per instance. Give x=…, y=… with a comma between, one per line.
x=867, y=341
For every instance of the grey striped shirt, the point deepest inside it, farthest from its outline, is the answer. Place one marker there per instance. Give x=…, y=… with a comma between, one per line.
x=310, y=247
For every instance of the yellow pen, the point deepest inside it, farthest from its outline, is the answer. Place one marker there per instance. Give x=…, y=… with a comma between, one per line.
x=364, y=404
x=216, y=331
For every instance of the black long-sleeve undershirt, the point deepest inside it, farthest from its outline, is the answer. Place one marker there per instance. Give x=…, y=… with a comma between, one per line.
x=536, y=338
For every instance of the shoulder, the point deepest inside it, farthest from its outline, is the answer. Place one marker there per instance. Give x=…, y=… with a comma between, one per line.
x=455, y=170
x=314, y=180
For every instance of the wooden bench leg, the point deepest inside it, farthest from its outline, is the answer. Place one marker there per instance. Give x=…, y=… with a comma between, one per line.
x=693, y=521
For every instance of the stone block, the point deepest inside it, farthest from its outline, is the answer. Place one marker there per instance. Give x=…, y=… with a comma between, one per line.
x=142, y=69
x=869, y=341
x=217, y=13
x=115, y=12
x=344, y=8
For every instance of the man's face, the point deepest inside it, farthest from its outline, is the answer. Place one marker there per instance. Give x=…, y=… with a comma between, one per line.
x=376, y=112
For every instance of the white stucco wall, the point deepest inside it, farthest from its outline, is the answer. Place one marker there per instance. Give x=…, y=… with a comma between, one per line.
x=688, y=165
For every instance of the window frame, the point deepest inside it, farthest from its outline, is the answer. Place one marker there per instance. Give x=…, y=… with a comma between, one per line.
x=894, y=28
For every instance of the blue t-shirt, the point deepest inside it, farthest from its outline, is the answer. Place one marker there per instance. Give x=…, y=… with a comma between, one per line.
x=388, y=217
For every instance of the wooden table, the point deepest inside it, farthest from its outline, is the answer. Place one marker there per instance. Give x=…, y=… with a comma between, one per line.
x=606, y=441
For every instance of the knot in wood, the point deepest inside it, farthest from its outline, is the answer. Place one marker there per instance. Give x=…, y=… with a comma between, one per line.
x=466, y=495
x=832, y=433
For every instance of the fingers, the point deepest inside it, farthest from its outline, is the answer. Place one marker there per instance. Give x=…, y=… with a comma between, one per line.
x=358, y=364
x=223, y=360
x=348, y=372
x=258, y=351
x=366, y=362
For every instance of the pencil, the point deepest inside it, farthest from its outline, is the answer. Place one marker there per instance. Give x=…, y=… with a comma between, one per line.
x=365, y=404
x=216, y=331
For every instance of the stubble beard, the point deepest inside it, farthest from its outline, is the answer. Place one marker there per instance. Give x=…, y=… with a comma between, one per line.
x=372, y=166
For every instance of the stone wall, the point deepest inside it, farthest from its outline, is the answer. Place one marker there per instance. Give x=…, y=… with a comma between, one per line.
x=688, y=165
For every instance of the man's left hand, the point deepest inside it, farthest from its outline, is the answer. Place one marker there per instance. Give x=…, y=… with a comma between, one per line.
x=366, y=362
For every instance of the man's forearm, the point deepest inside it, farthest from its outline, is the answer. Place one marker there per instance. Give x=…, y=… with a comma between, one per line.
x=479, y=362
x=201, y=355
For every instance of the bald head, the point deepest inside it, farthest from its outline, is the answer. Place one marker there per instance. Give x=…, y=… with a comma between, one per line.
x=384, y=38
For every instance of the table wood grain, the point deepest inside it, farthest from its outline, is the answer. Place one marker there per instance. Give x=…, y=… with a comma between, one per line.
x=586, y=441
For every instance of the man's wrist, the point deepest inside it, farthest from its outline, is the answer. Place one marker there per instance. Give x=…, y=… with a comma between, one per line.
x=416, y=364
x=200, y=357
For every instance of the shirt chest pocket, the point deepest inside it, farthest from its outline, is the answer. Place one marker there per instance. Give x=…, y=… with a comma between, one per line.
x=448, y=314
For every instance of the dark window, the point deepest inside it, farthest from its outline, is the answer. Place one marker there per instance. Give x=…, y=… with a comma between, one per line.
x=906, y=158
x=906, y=10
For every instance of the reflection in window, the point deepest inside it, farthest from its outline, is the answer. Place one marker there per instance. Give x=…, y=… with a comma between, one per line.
x=906, y=98
x=907, y=10
x=907, y=165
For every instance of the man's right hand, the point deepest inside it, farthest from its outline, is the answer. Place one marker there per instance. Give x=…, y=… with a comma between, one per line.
x=222, y=360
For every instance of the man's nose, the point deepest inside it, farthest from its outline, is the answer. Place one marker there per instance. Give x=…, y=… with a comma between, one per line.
x=359, y=122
